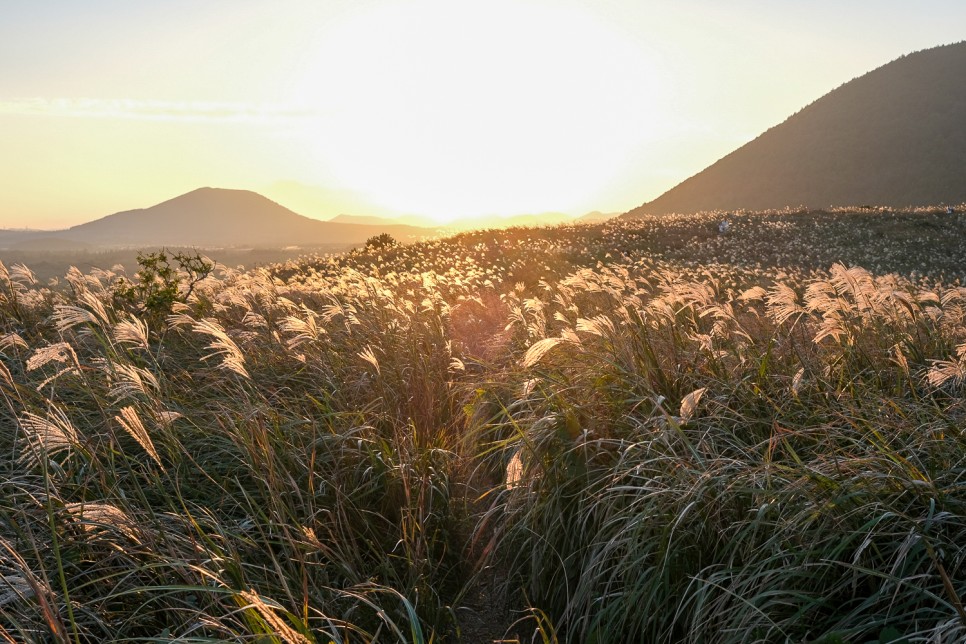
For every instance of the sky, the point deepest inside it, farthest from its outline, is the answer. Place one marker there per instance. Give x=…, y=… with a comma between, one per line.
x=441, y=108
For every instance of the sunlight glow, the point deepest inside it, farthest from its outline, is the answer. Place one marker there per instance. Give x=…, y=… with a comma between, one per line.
x=449, y=109
x=183, y=111
x=415, y=109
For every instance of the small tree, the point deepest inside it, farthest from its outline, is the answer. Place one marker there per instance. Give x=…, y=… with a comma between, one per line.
x=161, y=280
x=379, y=242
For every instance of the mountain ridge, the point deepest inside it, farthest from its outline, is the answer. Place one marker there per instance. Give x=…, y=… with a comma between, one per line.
x=891, y=137
x=219, y=217
x=210, y=217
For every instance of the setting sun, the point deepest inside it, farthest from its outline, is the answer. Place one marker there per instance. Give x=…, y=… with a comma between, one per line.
x=499, y=108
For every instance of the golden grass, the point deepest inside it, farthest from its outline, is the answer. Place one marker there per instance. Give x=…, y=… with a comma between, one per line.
x=652, y=431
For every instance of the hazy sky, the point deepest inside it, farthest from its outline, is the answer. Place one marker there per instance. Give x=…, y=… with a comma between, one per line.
x=437, y=107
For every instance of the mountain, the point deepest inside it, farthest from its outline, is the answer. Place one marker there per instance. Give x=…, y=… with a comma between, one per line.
x=216, y=217
x=372, y=220
x=322, y=201
x=540, y=219
x=595, y=217
x=11, y=238
x=366, y=220
x=467, y=223
x=49, y=244
x=893, y=137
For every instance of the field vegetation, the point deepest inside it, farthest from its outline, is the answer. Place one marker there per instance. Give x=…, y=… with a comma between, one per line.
x=641, y=431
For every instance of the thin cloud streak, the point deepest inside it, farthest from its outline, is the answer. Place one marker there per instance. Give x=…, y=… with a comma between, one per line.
x=150, y=110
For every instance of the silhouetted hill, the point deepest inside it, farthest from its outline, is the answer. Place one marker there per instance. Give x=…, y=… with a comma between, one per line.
x=893, y=137
x=49, y=243
x=375, y=220
x=214, y=217
x=595, y=217
x=540, y=219
x=10, y=238
x=466, y=223
x=365, y=220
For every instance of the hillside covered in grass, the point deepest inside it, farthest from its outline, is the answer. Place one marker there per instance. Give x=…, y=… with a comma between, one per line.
x=893, y=136
x=640, y=431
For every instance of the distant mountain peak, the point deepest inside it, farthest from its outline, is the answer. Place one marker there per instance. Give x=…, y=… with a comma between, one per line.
x=208, y=192
x=217, y=217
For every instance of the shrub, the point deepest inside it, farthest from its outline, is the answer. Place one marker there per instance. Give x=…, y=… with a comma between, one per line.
x=378, y=242
x=161, y=280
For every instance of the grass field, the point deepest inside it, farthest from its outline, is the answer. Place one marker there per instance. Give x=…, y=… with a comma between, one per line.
x=641, y=431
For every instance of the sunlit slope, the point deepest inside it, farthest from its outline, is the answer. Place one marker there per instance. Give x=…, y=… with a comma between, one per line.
x=892, y=137
x=215, y=217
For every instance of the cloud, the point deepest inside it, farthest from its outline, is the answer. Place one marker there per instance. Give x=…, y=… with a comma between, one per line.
x=141, y=110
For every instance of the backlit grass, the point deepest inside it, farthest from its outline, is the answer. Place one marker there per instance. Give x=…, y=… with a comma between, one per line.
x=641, y=431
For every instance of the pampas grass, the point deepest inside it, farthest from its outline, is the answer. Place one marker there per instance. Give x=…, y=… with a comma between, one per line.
x=633, y=431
